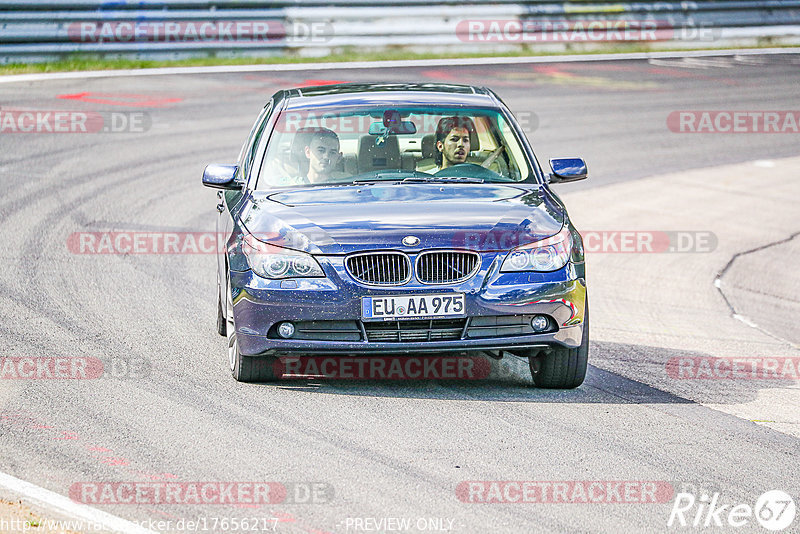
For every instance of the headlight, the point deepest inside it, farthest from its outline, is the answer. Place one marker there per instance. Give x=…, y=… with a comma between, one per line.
x=548, y=254
x=270, y=261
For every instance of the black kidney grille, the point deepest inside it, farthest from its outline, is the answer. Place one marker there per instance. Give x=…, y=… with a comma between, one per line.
x=380, y=268
x=446, y=267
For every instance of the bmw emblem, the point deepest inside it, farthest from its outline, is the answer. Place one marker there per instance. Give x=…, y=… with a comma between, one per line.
x=411, y=241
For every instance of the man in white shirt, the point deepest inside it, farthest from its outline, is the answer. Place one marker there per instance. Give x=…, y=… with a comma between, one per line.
x=322, y=152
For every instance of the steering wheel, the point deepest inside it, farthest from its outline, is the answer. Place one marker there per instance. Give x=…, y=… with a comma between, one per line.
x=470, y=170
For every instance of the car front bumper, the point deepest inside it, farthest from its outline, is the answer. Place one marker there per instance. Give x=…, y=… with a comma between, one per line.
x=333, y=304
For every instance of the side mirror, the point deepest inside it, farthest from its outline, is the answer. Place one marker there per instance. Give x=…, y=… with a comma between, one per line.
x=567, y=170
x=221, y=177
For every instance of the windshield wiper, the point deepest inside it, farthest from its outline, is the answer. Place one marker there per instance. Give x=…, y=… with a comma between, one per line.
x=442, y=179
x=414, y=177
x=387, y=176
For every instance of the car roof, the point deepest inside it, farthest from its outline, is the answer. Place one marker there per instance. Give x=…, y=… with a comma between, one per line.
x=395, y=94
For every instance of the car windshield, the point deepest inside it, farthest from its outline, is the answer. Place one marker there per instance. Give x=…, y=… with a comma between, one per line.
x=361, y=145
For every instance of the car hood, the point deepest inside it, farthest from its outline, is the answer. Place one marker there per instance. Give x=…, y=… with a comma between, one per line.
x=344, y=219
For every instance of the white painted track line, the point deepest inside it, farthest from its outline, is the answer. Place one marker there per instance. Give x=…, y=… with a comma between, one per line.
x=56, y=503
x=286, y=67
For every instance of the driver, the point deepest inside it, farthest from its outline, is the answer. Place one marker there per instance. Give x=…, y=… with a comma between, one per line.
x=452, y=141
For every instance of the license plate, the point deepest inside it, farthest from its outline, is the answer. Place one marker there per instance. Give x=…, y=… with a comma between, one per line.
x=412, y=306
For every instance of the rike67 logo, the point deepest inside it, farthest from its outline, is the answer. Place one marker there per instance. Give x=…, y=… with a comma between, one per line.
x=775, y=510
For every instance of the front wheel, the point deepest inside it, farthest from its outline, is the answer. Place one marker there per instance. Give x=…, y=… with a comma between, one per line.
x=222, y=324
x=245, y=368
x=562, y=368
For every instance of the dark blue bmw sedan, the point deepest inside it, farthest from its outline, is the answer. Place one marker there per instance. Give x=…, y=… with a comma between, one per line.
x=366, y=219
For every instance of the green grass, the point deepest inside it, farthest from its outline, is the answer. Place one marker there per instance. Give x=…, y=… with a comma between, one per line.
x=96, y=63
x=85, y=62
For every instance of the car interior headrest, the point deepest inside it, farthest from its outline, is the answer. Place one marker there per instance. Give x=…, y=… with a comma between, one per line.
x=374, y=157
x=428, y=146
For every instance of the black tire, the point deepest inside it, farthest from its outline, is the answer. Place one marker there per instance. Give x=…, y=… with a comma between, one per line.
x=558, y=368
x=254, y=369
x=245, y=368
x=221, y=324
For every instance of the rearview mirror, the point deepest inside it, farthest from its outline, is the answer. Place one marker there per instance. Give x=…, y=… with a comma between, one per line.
x=221, y=177
x=567, y=170
x=402, y=127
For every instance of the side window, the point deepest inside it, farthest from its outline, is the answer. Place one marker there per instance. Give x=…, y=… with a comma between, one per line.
x=249, y=149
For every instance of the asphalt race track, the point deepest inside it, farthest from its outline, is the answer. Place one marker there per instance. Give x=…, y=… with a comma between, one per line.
x=374, y=450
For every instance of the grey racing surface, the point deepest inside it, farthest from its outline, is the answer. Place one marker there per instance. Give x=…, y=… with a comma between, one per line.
x=167, y=409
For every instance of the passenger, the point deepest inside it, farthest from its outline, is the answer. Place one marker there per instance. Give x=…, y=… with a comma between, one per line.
x=453, y=141
x=311, y=158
